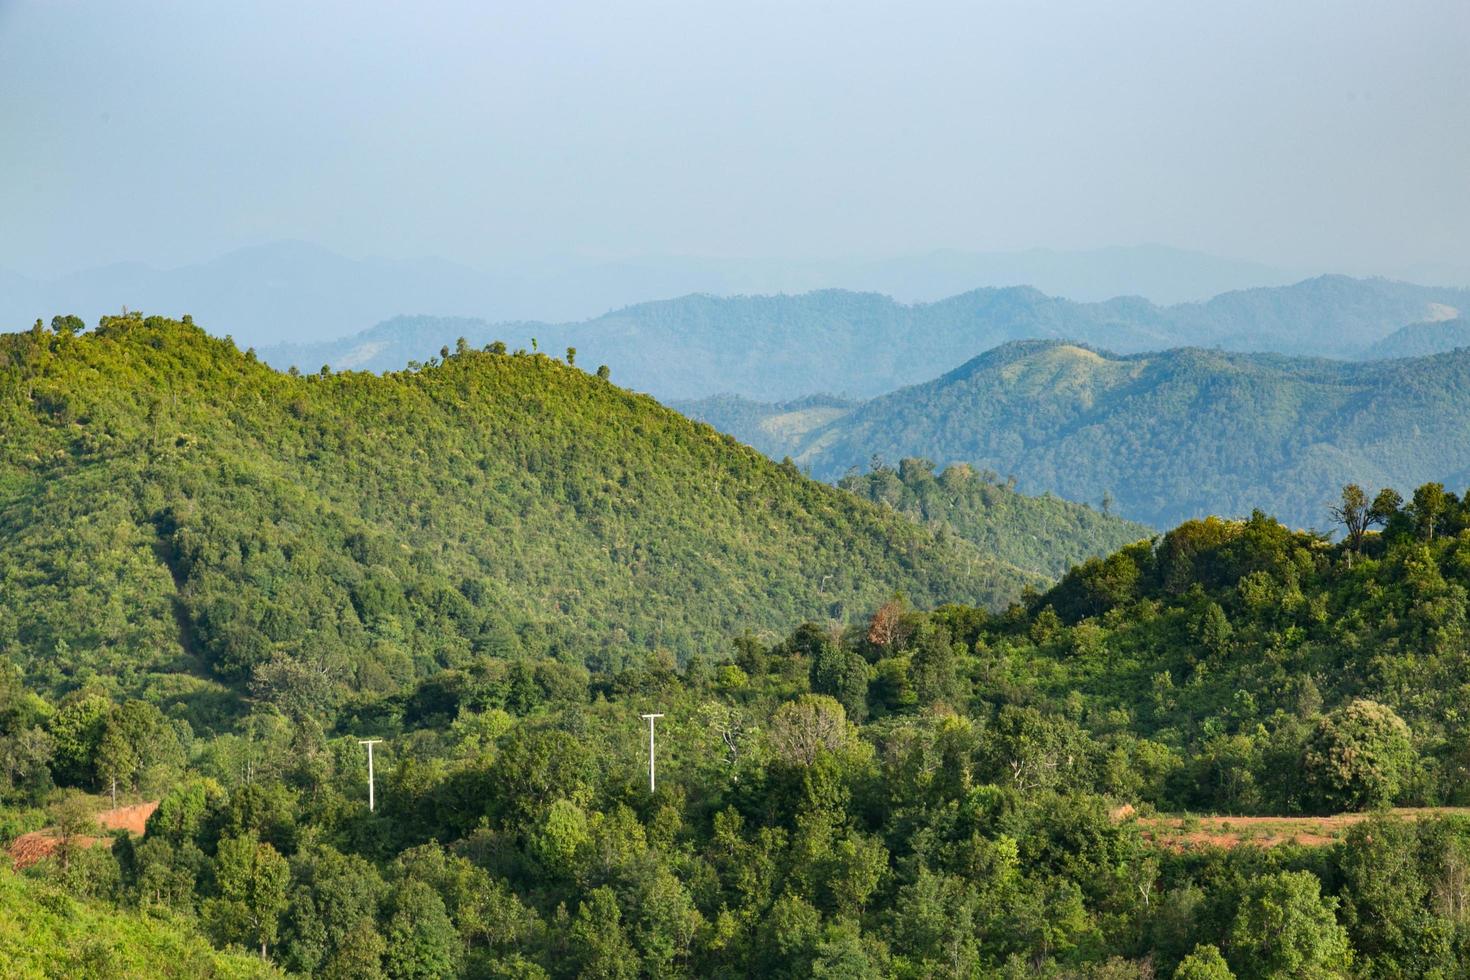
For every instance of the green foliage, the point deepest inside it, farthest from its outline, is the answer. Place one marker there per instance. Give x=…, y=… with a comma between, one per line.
x=1285, y=929
x=1205, y=963
x=884, y=790
x=1171, y=435
x=252, y=880
x=1360, y=756
x=1043, y=534
x=45, y=932
x=179, y=523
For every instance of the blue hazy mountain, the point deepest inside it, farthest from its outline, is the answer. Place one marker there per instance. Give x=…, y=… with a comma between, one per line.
x=291, y=291
x=781, y=347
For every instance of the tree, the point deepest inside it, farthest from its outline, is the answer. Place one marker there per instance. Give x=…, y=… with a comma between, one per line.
x=116, y=761
x=68, y=325
x=599, y=949
x=841, y=673
x=335, y=896
x=1386, y=505
x=422, y=942
x=801, y=730
x=571, y=357
x=1205, y=963
x=1355, y=514
x=1285, y=930
x=932, y=668
x=1428, y=507
x=604, y=372
x=885, y=630
x=856, y=868
x=1385, y=902
x=562, y=834
x=252, y=878
x=359, y=956
x=1359, y=756
x=75, y=817
x=77, y=730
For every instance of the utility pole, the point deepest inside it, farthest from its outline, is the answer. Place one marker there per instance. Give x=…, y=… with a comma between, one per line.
x=370, y=742
x=650, y=749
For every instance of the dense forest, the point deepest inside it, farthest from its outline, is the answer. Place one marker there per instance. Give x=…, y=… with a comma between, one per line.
x=1169, y=435
x=910, y=793
x=209, y=566
x=1044, y=534
x=783, y=347
x=176, y=517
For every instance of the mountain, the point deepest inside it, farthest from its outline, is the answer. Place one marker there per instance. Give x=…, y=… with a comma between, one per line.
x=766, y=347
x=1171, y=435
x=176, y=516
x=775, y=428
x=778, y=348
x=1419, y=339
x=1043, y=534
x=288, y=291
x=1329, y=316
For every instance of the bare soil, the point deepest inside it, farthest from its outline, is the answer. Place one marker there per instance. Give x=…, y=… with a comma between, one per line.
x=1186, y=833
x=27, y=849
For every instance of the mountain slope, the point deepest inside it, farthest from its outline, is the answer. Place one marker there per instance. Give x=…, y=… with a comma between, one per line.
x=1176, y=434
x=1420, y=339
x=174, y=514
x=1045, y=534
x=45, y=932
x=776, y=348
x=1329, y=316
x=775, y=428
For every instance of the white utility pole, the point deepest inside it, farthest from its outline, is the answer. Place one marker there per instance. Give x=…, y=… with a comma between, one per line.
x=650, y=749
x=370, y=742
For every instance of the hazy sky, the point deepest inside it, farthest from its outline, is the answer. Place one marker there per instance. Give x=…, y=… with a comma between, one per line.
x=1325, y=133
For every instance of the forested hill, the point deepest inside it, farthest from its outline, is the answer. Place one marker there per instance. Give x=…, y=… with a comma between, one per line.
x=1420, y=339
x=1173, y=435
x=1043, y=534
x=776, y=348
x=174, y=514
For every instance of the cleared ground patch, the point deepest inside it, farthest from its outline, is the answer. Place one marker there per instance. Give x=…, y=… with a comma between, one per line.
x=1186, y=833
x=27, y=849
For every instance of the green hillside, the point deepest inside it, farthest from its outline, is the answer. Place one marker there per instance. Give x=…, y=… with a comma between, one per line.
x=952, y=792
x=1043, y=534
x=45, y=932
x=174, y=513
x=1173, y=435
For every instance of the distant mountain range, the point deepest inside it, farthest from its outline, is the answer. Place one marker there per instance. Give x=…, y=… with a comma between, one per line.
x=1169, y=435
x=292, y=291
x=775, y=348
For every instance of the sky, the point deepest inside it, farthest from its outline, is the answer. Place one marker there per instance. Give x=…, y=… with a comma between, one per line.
x=1304, y=133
